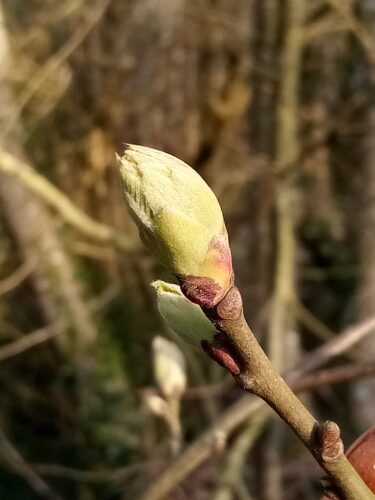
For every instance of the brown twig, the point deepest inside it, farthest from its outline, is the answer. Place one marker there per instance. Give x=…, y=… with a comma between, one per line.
x=201, y=449
x=333, y=348
x=340, y=374
x=236, y=456
x=15, y=278
x=253, y=371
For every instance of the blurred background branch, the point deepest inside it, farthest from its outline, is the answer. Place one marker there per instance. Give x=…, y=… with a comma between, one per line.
x=48, y=193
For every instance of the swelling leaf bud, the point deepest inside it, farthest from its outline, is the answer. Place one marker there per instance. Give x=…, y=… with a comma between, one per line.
x=179, y=218
x=184, y=318
x=169, y=368
x=156, y=405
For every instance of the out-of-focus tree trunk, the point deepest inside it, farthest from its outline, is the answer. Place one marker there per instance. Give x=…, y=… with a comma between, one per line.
x=287, y=151
x=323, y=103
x=264, y=77
x=283, y=339
x=33, y=228
x=364, y=391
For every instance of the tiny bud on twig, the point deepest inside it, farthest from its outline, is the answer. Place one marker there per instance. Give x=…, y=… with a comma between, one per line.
x=220, y=351
x=169, y=368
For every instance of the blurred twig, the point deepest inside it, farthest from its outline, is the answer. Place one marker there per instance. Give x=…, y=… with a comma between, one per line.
x=355, y=26
x=97, y=476
x=15, y=278
x=204, y=391
x=59, y=14
x=201, y=449
x=15, y=461
x=236, y=456
x=282, y=323
x=337, y=375
x=50, y=194
x=312, y=322
x=29, y=340
x=335, y=347
x=56, y=60
x=37, y=337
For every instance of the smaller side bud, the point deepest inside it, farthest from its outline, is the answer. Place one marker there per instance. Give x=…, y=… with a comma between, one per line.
x=330, y=494
x=329, y=434
x=155, y=404
x=334, y=452
x=329, y=441
x=169, y=368
x=231, y=305
x=184, y=318
x=220, y=351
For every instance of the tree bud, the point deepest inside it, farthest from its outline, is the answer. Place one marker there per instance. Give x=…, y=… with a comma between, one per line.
x=179, y=218
x=182, y=316
x=169, y=367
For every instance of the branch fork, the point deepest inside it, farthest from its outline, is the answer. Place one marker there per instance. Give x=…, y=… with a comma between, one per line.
x=235, y=348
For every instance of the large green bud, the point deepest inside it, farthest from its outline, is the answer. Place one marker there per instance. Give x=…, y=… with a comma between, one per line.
x=180, y=220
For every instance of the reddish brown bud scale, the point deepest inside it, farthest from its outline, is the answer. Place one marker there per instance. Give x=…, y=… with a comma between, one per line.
x=222, y=355
x=231, y=305
x=329, y=441
x=333, y=452
x=329, y=434
x=205, y=292
x=330, y=495
x=361, y=454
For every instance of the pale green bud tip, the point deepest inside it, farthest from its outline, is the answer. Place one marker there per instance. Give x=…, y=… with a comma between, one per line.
x=179, y=219
x=169, y=367
x=184, y=318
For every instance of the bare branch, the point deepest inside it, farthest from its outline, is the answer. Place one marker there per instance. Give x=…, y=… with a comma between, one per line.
x=15, y=461
x=50, y=194
x=356, y=27
x=349, y=372
x=16, y=278
x=28, y=341
x=56, y=60
x=333, y=348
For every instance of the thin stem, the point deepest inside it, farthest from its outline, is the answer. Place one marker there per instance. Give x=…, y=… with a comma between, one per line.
x=258, y=377
x=245, y=408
